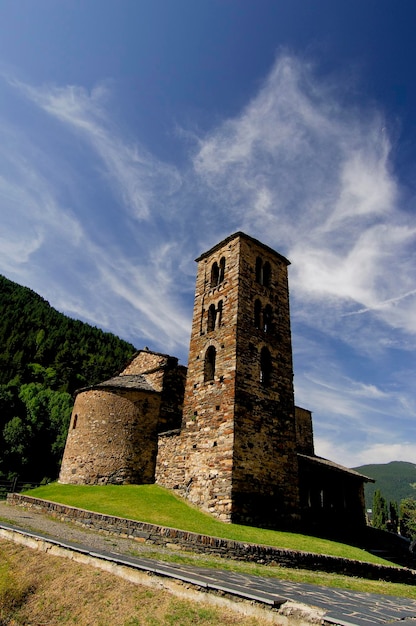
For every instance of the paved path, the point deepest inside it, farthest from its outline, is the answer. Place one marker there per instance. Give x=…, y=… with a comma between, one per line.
x=342, y=607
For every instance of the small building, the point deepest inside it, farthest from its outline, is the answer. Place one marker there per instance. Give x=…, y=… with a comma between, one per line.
x=225, y=434
x=114, y=427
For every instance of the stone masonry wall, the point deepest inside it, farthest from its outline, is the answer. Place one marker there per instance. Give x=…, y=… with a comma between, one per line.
x=208, y=421
x=146, y=361
x=238, y=438
x=304, y=431
x=265, y=471
x=112, y=438
x=171, y=401
x=171, y=458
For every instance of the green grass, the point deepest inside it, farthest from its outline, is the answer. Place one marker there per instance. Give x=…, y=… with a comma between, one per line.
x=156, y=505
x=313, y=577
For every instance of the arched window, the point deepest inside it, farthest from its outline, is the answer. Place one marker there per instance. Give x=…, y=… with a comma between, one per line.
x=215, y=272
x=267, y=319
x=209, y=364
x=263, y=272
x=259, y=271
x=74, y=423
x=219, y=313
x=266, y=274
x=257, y=314
x=222, y=270
x=211, y=318
x=265, y=367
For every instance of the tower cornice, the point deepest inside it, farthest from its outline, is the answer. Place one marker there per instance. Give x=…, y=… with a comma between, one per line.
x=241, y=235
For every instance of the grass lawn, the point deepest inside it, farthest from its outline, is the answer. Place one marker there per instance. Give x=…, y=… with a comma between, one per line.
x=156, y=505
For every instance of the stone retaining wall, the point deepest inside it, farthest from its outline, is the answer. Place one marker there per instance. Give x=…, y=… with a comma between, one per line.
x=160, y=535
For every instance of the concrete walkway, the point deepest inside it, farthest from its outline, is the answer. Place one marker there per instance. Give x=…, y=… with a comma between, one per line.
x=340, y=607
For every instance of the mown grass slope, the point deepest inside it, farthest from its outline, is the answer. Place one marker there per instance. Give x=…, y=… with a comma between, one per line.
x=156, y=505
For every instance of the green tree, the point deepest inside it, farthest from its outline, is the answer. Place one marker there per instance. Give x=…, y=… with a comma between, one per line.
x=34, y=443
x=45, y=375
x=17, y=437
x=60, y=408
x=408, y=518
x=393, y=522
x=380, y=511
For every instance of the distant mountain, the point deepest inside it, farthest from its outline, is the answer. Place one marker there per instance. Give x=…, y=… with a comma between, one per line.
x=44, y=357
x=395, y=480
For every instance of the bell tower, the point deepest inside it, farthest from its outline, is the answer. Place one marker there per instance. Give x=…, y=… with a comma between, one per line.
x=239, y=415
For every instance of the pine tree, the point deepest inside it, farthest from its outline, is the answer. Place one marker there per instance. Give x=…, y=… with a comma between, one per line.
x=393, y=523
x=380, y=511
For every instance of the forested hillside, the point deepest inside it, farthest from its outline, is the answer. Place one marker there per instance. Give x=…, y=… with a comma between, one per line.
x=44, y=357
x=396, y=480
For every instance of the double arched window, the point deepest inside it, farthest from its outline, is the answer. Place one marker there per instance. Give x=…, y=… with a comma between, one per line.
x=209, y=364
x=212, y=314
x=214, y=317
x=263, y=318
x=222, y=270
x=263, y=272
x=217, y=272
x=219, y=313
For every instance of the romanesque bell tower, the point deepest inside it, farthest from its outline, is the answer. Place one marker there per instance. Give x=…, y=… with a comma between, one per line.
x=239, y=416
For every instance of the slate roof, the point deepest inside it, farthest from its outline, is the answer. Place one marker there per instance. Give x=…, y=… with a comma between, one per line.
x=318, y=460
x=127, y=381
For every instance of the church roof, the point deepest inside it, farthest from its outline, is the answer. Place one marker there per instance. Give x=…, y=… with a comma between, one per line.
x=135, y=382
x=318, y=460
x=128, y=381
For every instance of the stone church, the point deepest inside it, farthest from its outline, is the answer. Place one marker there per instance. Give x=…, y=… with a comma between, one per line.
x=225, y=432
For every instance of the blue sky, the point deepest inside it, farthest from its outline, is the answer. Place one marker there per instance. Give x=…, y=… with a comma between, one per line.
x=134, y=135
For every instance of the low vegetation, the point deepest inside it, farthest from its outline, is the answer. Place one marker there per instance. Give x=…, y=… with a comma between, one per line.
x=394, y=517
x=36, y=588
x=156, y=505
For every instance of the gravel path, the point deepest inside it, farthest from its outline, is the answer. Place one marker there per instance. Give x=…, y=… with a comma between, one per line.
x=36, y=521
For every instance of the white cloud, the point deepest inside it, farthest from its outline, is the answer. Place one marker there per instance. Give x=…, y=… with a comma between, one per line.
x=31, y=217
x=351, y=456
x=314, y=179
x=134, y=173
x=70, y=254
x=385, y=453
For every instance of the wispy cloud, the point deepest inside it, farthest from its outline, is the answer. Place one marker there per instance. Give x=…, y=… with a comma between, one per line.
x=354, y=456
x=134, y=173
x=92, y=273
x=314, y=178
x=301, y=167
x=352, y=417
